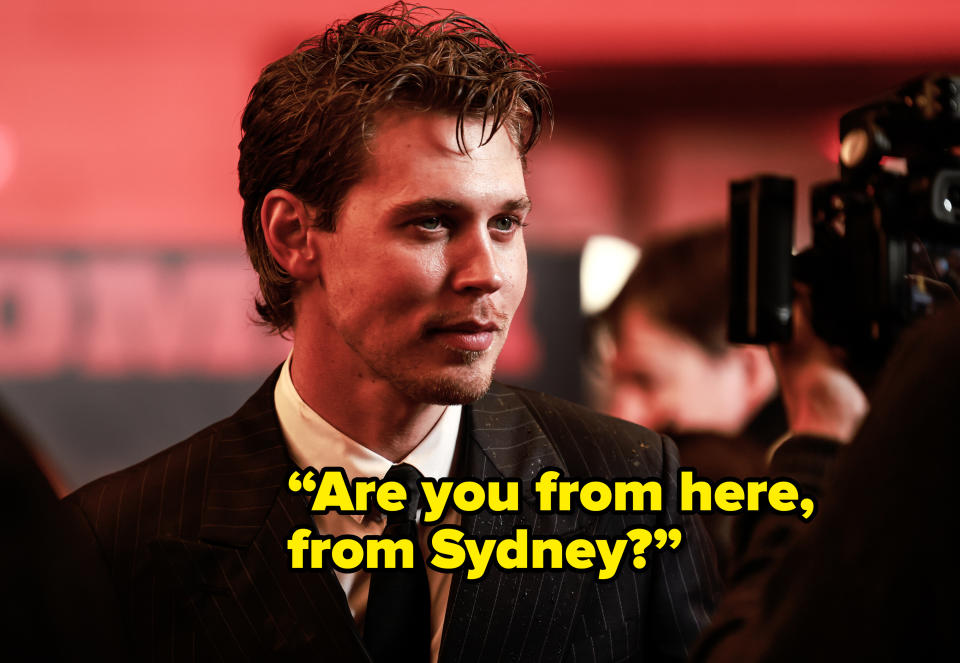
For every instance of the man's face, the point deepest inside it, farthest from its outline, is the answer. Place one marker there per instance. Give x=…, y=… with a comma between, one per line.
x=666, y=381
x=427, y=265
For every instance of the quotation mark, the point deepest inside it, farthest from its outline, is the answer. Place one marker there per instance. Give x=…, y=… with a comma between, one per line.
x=663, y=536
x=296, y=484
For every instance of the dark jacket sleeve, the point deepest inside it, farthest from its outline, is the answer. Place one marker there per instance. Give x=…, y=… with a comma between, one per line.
x=872, y=576
x=740, y=625
x=56, y=598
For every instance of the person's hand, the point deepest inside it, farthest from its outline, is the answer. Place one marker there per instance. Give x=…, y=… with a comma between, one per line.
x=820, y=397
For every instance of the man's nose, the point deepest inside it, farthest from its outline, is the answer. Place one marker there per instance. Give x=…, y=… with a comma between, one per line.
x=475, y=265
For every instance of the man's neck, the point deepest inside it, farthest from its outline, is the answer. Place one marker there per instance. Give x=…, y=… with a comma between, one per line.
x=367, y=409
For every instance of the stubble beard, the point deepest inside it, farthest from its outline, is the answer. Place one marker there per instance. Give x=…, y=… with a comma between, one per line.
x=437, y=390
x=444, y=390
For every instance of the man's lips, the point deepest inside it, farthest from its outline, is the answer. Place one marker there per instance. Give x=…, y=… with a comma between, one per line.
x=468, y=336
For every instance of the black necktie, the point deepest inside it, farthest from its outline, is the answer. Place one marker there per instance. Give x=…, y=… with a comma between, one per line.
x=397, y=624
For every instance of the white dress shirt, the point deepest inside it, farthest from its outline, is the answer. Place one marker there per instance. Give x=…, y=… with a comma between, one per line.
x=312, y=441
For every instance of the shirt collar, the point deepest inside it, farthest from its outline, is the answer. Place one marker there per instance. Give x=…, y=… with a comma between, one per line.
x=313, y=441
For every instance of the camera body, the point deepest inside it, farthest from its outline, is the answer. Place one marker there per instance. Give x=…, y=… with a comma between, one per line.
x=886, y=235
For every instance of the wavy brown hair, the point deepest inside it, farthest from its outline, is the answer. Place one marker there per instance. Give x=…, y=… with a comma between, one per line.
x=311, y=113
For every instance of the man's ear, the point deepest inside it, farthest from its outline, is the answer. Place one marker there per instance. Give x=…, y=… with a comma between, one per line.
x=288, y=230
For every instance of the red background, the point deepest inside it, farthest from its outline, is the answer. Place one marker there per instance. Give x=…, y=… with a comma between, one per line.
x=124, y=296
x=119, y=120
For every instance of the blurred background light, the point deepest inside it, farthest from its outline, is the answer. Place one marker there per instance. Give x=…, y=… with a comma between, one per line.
x=605, y=265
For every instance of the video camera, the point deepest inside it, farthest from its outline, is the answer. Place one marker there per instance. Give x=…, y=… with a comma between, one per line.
x=886, y=235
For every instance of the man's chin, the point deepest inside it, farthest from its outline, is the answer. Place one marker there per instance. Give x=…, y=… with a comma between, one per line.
x=446, y=389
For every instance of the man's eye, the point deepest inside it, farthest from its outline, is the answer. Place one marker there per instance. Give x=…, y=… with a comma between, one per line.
x=432, y=223
x=505, y=223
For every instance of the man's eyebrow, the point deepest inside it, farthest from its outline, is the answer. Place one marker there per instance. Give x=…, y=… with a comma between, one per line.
x=519, y=205
x=424, y=206
x=431, y=205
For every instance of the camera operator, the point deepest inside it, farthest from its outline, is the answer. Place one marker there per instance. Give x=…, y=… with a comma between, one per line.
x=871, y=577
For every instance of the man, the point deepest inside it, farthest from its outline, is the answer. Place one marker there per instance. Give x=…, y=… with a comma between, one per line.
x=381, y=168
x=670, y=367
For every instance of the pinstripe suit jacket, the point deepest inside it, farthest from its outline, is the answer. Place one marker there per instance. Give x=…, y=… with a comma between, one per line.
x=195, y=541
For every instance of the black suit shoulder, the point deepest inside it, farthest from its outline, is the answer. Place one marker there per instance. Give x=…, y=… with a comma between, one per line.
x=193, y=539
x=173, y=494
x=164, y=489
x=662, y=610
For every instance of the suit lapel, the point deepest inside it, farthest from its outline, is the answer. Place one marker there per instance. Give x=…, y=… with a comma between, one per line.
x=507, y=439
x=237, y=575
x=511, y=615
